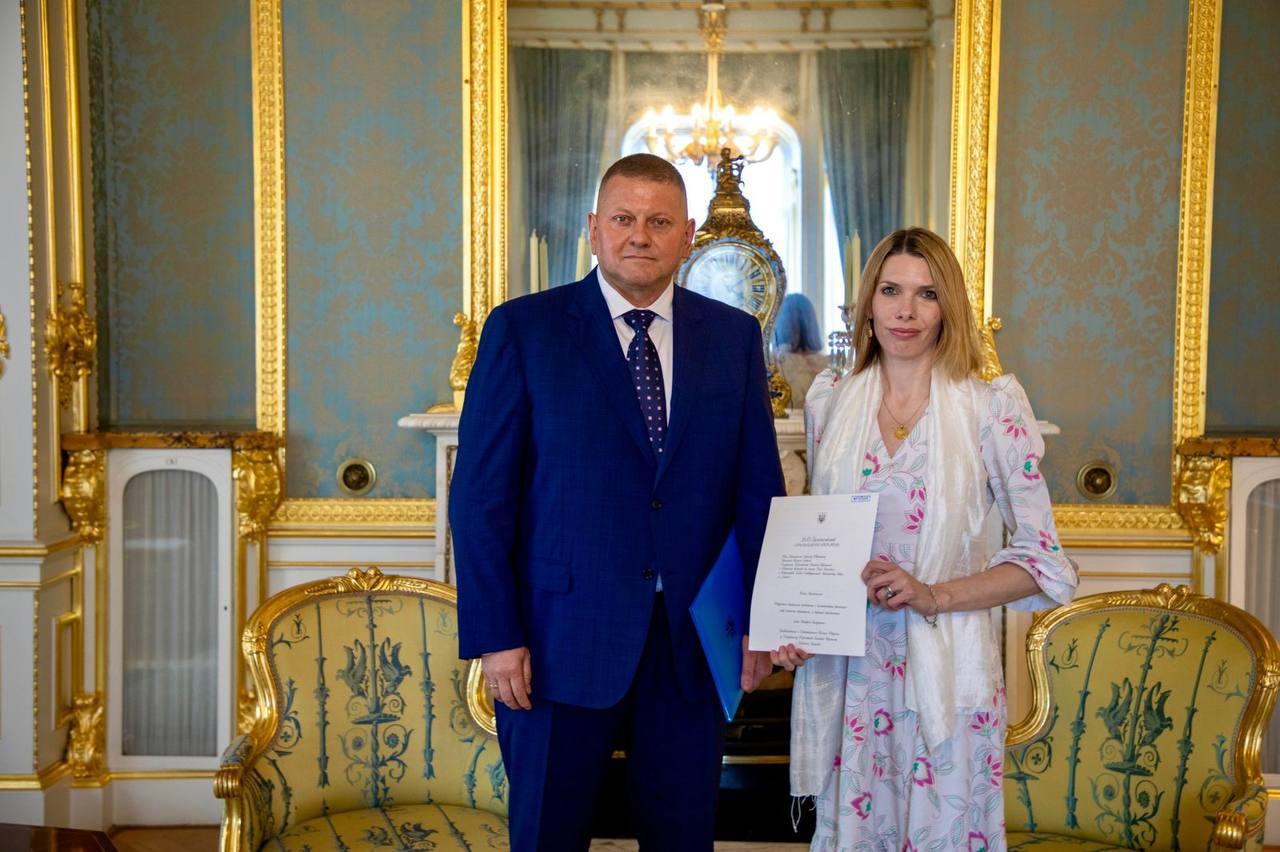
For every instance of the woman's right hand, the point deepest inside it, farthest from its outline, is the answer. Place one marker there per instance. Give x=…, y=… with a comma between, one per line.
x=790, y=657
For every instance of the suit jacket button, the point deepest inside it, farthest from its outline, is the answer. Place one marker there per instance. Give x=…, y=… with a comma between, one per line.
x=656, y=504
x=648, y=574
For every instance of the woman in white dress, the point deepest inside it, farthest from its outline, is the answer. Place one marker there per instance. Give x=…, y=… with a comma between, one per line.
x=903, y=748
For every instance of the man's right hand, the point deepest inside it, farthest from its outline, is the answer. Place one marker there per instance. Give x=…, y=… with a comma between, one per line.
x=509, y=677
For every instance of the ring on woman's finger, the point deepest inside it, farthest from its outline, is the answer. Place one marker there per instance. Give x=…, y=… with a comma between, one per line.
x=493, y=684
x=890, y=592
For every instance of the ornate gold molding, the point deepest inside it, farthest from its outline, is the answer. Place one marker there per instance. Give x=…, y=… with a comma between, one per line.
x=267, y=45
x=1195, y=218
x=484, y=173
x=87, y=743
x=83, y=493
x=991, y=366
x=70, y=341
x=973, y=133
x=1201, y=495
x=324, y=514
x=259, y=491
x=4, y=343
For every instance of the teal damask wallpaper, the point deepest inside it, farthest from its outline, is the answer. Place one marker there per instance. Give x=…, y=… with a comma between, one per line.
x=1085, y=254
x=1244, y=291
x=170, y=97
x=373, y=161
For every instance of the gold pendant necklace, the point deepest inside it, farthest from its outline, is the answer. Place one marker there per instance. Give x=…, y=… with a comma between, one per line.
x=900, y=431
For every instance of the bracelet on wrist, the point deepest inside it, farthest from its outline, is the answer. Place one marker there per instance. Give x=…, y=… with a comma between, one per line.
x=932, y=620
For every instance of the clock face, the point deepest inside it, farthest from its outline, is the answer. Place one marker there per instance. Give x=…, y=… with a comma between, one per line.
x=735, y=273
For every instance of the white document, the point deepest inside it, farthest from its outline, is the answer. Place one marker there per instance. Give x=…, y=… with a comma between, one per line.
x=809, y=590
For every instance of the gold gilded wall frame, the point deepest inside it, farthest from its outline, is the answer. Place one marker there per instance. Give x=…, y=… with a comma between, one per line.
x=484, y=145
x=974, y=111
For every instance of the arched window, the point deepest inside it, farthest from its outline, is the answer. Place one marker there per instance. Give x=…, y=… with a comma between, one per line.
x=772, y=187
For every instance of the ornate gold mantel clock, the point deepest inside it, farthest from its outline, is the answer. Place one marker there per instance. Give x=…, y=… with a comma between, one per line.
x=732, y=261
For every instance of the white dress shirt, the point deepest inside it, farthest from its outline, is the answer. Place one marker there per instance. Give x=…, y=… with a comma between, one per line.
x=660, y=330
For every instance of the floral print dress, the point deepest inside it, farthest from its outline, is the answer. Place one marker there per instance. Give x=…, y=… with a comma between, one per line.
x=887, y=789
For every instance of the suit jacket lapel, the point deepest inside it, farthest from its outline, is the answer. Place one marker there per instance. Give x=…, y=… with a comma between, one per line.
x=686, y=372
x=604, y=355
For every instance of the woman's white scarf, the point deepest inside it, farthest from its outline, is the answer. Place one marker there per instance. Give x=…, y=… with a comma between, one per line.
x=938, y=679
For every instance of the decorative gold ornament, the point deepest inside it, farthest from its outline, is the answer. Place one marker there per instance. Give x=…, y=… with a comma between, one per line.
x=70, y=341
x=83, y=493
x=259, y=491
x=4, y=343
x=991, y=368
x=357, y=477
x=246, y=709
x=1201, y=497
x=732, y=261
x=87, y=743
x=463, y=360
x=779, y=392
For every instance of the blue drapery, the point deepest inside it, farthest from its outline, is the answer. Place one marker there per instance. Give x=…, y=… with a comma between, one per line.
x=865, y=97
x=564, y=97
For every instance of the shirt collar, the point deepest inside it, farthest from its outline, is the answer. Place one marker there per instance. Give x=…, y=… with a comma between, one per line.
x=618, y=304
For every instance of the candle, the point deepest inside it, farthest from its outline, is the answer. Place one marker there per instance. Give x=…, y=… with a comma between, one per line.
x=848, y=271
x=857, y=255
x=533, y=261
x=584, y=255
x=542, y=262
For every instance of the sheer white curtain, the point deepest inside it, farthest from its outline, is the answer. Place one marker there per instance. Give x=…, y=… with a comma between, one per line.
x=170, y=614
x=1262, y=587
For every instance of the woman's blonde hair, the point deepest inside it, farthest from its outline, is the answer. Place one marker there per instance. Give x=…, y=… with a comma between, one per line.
x=958, y=350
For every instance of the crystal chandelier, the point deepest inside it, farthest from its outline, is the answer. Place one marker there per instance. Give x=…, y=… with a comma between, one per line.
x=711, y=125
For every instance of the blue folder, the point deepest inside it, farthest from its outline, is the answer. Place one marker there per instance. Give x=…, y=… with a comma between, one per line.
x=720, y=615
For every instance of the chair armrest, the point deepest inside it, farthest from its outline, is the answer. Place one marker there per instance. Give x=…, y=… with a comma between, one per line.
x=1239, y=824
x=231, y=767
x=246, y=816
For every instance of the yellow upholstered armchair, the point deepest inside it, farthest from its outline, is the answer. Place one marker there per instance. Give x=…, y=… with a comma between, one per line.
x=369, y=731
x=1149, y=708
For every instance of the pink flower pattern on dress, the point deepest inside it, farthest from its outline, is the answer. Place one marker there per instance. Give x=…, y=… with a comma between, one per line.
x=994, y=770
x=878, y=764
x=1048, y=543
x=977, y=842
x=862, y=805
x=916, y=493
x=915, y=519
x=1031, y=467
x=881, y=722
x=857, y=730
x=895, y=665
x=922, y=772
x=983, y=722
x=1014, y=426
x=874, y=465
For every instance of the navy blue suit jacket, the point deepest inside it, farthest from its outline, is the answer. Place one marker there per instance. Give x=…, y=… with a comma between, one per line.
x=563, y=515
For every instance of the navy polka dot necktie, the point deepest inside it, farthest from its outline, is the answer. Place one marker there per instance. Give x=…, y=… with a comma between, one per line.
x=646, y=375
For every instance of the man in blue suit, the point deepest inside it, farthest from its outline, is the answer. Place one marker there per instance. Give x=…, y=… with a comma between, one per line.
x=615, y=431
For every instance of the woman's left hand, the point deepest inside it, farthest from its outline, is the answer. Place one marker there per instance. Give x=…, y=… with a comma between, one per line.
x=891, y=587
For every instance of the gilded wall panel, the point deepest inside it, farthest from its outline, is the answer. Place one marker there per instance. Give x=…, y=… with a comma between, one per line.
x=170, y=113
x=1244, y=295
x=1086, y=230
x=374, y=219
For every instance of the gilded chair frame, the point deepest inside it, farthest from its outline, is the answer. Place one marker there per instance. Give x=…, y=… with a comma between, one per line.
x=228, y=781
x=1230, y=827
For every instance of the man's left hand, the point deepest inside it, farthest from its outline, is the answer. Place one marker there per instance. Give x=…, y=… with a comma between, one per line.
x=756, y=666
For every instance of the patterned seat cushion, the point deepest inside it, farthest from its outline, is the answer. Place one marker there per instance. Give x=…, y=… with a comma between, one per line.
x=436, y=827
x=1044, y=842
